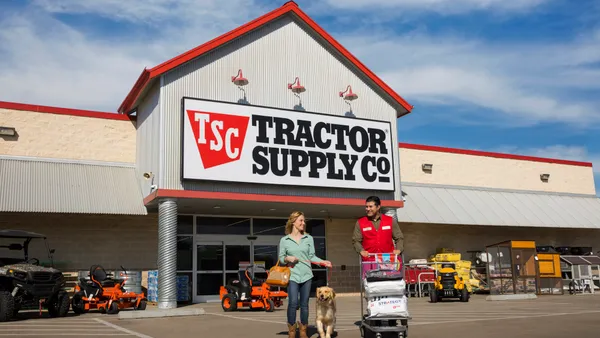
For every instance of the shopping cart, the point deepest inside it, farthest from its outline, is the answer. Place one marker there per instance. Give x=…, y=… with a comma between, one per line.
x=383, y=286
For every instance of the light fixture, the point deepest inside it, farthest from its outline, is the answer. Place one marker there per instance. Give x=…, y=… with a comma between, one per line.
x=296, y=87
x=324, y=210
x=427, y=167
x=544, y=177
x=147, y=175
x=350, y=96
x=7, y=131
x=239, y=79
x=217, y=207
x=272, y=209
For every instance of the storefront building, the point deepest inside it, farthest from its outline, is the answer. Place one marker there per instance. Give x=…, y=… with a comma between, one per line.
x=210, y=152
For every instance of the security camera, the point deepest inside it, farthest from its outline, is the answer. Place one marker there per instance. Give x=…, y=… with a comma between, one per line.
x=153, y=187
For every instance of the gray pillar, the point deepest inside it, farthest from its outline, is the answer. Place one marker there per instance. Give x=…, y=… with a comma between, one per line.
x=392, y=212
x=167, y=254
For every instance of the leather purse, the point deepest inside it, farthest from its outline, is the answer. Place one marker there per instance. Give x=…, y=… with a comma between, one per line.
x=279, y=275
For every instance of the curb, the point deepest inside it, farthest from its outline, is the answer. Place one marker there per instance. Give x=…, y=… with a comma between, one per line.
x=161, y=313
x=511, y=297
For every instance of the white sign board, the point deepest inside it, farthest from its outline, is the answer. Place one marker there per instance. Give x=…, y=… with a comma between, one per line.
x=242, y=143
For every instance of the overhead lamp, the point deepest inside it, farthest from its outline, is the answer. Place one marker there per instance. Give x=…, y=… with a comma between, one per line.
x=239, y=79
x=272, y=209
x=545, y=177
x=8, y=131
x=427, y=167
x=296, y=87
x=350, y=96
x=217, y=207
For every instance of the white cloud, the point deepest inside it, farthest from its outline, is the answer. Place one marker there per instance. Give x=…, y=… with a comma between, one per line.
x=440, y=6
x=526, y=82
x=44, y=61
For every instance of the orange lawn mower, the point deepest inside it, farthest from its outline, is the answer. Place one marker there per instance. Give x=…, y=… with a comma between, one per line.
x=105, y=294
x=250, y=292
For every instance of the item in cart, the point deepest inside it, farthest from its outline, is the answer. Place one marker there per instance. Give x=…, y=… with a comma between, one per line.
x=418, y=262
x=388, y=307
x=384, y=288
x=384, y=275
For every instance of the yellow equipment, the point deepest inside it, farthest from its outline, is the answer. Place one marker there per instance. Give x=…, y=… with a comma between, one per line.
x=448, y=284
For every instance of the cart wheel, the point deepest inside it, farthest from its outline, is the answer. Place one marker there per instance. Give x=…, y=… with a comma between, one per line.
x=433, y=296
x=270, y=306
x=464, y=295
x=378, y=335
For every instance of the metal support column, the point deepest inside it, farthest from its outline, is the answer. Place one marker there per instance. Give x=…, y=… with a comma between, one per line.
x=167, y=254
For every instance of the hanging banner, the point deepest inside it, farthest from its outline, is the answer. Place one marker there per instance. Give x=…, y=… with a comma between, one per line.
x=242, y=143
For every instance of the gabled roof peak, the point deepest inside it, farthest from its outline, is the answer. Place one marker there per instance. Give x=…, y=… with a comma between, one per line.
x=149, y=75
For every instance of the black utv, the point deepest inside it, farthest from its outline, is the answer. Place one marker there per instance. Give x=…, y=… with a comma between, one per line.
x=24, y=283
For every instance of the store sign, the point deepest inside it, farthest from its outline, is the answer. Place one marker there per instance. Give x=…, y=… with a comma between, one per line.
x=242, y=143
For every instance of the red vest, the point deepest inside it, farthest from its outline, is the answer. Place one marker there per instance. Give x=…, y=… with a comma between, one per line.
x=377, y=240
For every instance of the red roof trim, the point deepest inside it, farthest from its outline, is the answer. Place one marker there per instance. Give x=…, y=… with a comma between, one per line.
x=288, y=7
x=263, y=198
x=492, y=154
x=62, y=111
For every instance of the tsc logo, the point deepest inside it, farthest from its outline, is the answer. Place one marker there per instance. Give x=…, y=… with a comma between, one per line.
x=219, y=137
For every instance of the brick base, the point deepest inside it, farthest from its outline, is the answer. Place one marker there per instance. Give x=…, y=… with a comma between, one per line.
x=344, y=281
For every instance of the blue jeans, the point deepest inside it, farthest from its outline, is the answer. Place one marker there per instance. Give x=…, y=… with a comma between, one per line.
x=298, y=293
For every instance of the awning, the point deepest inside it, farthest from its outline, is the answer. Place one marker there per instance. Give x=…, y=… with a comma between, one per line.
x=65, y=186
x=581, y=260
x=480, y=206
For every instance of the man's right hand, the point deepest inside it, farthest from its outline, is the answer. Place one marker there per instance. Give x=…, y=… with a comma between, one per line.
x=364, y=253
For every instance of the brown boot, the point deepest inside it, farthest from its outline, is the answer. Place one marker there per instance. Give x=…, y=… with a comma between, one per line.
x=303, y=328
x=291, y=331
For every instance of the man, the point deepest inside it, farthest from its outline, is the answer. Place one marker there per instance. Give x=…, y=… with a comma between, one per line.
x=376, y=233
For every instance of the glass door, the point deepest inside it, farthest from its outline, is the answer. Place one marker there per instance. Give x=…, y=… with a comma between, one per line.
x=209, y=268
x=218, y=262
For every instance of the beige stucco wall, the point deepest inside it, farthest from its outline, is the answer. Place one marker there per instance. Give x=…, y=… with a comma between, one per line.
x=489, y=172
x=83, y=240
x=68, y=136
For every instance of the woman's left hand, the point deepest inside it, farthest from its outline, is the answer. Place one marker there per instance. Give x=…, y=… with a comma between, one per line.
x=327, y=264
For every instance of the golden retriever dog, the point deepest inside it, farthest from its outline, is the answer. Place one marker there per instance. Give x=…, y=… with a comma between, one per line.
x=326, y=311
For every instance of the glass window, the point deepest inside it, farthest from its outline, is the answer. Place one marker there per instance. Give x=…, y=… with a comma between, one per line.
x=208, y=284
x=267, y=254
x=184, y=287
x=320, y=249
x=236, y=254
x=319, y=280
x=315, y=227
x=269, y=226
x=209, y=257
x=223, y=226
x=185, y=225
x=185, y=253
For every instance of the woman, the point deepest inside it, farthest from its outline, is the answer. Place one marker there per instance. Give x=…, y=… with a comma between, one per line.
x=297, y=250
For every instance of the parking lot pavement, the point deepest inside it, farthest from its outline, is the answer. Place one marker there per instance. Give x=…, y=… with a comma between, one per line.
x=30, y=324
x=549, y=316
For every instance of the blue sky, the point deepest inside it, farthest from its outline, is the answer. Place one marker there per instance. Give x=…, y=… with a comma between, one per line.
x=516, y=76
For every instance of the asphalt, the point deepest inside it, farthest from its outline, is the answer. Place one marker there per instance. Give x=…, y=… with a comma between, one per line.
x=547, y=316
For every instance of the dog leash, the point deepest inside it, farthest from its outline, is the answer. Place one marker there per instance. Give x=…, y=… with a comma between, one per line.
x=319, y=264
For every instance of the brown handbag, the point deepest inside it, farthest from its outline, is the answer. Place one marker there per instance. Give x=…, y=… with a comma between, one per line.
x=279, y=275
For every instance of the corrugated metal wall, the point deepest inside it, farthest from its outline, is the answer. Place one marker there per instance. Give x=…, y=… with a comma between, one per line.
x=148, y=129
x=270, y=57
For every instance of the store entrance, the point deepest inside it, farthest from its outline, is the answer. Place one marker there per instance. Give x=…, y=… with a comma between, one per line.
x=211, y=248
x=218, y=262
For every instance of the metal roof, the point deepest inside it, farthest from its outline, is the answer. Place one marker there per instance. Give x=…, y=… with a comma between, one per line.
x=8, y=233
x=580, y=260
x=482, y=206
x=65, y=186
